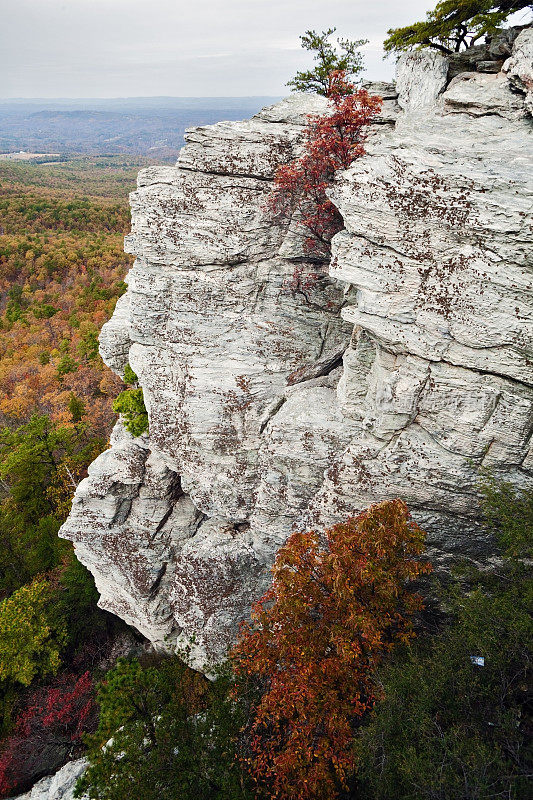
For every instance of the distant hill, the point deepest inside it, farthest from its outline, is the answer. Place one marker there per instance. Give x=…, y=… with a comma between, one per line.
x=152, y=126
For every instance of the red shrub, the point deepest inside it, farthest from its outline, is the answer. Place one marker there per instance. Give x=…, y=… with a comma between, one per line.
x=334, y=609
x=47, y=731
x=333, y=142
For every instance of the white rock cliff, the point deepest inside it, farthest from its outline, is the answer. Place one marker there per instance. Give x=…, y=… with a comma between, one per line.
x=271, y=409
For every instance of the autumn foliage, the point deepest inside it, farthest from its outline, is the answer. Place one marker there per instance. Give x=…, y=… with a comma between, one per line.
x=333, y=142
x=336, y=607
x=61, y=270
x=62, y=263
x=54, y=717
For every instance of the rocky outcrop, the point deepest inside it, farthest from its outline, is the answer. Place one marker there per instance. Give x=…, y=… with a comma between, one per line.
x=519, y=67
x=487, y=56
x=59, y=786
x=437, y=257
x=277, y=403
x=421, y=79
x=180, y=529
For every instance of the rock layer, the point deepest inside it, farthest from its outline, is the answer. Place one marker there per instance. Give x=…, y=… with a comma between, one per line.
x=277, y=403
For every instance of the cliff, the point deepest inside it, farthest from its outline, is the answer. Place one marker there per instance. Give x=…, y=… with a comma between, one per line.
x=277, y=404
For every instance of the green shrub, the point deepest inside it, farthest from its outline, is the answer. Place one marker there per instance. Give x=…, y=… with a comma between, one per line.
x=509, y=513
x=447, y=728
x=130, y=378
x=130, y=404
x=164, y=733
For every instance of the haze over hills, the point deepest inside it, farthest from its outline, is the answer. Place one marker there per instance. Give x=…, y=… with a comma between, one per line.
x=151, y=126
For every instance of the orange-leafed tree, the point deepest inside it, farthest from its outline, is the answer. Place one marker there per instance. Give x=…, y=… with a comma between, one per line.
x=333, y=142
x=337, y=605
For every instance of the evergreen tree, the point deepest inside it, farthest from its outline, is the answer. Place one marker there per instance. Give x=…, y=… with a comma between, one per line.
x=454, y=24
x=165, y=732
x=344, y=58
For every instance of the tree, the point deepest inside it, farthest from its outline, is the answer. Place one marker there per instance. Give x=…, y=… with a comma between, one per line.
x=40, y=464
x=450, y=728
x=333, y=141
x=454, y=24
x=337, y=605
x=508, y=512
x=348, y=60
x=130, y=405
x=31, y=634
x=76, y=407
x=130, y=378
x=164, y=732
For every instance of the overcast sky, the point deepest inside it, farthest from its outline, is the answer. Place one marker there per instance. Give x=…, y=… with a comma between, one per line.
x=125, y=48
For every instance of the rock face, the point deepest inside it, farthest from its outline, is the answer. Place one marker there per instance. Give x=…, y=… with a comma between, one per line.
x=277, y=403
x=519, y=67
x=421, y=79
x=59, y=786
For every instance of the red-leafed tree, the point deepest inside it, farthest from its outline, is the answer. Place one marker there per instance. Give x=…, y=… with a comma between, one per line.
x=333, y=142
x=336, y=606
x=47, y=731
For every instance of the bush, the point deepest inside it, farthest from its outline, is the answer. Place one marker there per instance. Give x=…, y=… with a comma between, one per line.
x=130, y=378
x=509, y=513
x=338, y=604
x=130, y=405
x=47, y=731
x=333, y=142
x=449, y=729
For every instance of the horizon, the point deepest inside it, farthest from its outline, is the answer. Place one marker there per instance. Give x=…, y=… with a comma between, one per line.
x=111, y=49
x=144, y=97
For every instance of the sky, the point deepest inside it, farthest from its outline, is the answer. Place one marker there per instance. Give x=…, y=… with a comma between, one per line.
x=197, y=48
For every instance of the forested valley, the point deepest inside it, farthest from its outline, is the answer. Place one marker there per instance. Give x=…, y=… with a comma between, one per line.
x=62, y=266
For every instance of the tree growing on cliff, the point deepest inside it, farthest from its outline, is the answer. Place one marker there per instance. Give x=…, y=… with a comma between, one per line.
x=454, y=24
x=130, y=404
x=343, y=58
x=338, y=603
x=333, y=141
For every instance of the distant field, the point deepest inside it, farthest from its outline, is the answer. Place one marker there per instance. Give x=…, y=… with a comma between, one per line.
x=23, y=156
x=106, y=177
x=150, y=126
